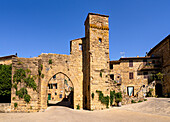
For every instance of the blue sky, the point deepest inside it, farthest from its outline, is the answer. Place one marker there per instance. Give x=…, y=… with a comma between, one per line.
x=32, y=27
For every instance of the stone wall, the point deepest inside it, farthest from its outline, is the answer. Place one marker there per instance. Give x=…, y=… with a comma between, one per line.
x=97, y=54
x=5, y=107
x=33, y=64
x=162, y=50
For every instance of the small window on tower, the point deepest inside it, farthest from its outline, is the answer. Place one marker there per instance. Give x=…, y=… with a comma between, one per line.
x=100, y=40
x=80, y=47
x=112, y=76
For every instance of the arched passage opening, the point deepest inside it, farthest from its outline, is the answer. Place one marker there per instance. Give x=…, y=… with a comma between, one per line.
x=158, y=90
x=60, y=91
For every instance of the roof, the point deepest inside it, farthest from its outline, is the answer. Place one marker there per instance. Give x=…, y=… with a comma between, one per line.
x=135, y=58
x=132, y=58
x=77, y=39
x=6, y=57
x=115, y=62
x=168, y=37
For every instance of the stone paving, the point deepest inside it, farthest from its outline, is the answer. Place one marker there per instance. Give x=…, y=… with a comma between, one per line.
x=160, y=106
x=64, y=114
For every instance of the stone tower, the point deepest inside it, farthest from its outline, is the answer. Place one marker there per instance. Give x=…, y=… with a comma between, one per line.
x=96, y=60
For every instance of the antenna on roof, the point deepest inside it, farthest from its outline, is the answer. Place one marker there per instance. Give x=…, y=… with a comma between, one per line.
x=122, y=54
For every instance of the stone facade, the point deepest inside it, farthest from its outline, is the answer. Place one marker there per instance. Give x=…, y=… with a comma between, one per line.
x=134, y=72
x=162, y=50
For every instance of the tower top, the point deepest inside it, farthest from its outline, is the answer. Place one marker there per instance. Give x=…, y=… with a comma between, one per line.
x=98, y=14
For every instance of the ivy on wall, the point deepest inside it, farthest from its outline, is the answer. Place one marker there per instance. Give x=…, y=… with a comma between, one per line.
x=103, y=99
x=24, y=77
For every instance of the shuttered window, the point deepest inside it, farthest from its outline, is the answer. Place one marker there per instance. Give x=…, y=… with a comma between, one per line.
x=130, y=63
x=130, y=75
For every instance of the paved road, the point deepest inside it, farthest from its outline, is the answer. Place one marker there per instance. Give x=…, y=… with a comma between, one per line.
x=63, y=114
x=159, y=106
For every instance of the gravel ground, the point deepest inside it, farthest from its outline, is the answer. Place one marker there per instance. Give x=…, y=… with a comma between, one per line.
x=126, y=113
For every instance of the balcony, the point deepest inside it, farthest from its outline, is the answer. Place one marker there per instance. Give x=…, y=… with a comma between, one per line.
x=149, y=66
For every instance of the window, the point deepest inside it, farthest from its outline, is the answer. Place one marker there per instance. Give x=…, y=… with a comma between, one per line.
x=153, y=62
x=130, y=75
x=54, y=76
x=144, y=62
x=60, y=95
x=112, y=76
x=145, y=74
x=50, y=86
x=130, y=63
x=55, y=85
x=55, y=93
x=111, y=66
x=49, y=96
x=130, y=90
x=80, y=47
x=100, y=40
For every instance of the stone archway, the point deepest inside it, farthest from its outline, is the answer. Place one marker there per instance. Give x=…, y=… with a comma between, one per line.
x=158, y=89
x=60, y=90
x=77, y=81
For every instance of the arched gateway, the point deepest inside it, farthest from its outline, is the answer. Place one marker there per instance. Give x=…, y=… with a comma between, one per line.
x=60, y=90
x=86, y=68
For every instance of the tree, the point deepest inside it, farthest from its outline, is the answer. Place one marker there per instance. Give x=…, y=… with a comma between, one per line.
x=5, y=83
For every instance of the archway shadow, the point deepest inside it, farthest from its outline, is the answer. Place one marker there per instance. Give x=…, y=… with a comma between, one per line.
x=66, y=102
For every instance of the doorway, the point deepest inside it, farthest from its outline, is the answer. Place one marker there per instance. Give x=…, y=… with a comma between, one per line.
x=130, y=91
x=158, y=90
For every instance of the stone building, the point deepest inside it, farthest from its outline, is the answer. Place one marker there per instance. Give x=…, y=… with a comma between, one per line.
x=134, y=74
x=77, y=77
x=162, y=50
x=6, y=59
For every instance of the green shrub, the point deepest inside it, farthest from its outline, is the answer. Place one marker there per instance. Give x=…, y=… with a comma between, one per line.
x=19, y=63
x=15, y=105
x=15, y=86
x=13, y=98
x=118, y=97
x=39, y=72
x=140, y=101
x=149, y=94
x=112, y=96
x=133, y=101
x=145, y=99
x=115, y=81
x=78, y=107
x=41, y=67
x=50, y=61
x=42, y=75
x=27, y=98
